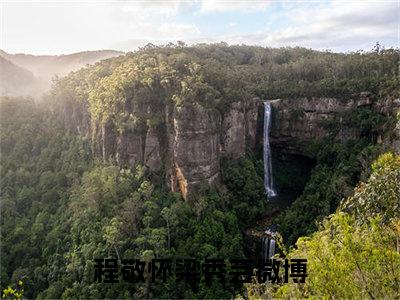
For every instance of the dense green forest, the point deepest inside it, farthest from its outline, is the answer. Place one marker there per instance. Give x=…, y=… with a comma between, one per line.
x=355, y=252
x=62, y=207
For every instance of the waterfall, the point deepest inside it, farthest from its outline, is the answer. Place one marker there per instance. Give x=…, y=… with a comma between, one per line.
x=268, y=247
x=268, y=180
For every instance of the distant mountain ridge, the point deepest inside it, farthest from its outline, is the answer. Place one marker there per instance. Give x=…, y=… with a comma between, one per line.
x=15, y=80
x=42, y=68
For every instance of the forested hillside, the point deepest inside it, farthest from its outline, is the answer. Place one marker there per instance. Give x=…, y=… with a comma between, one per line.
x=355, y=252
x=66, y=201
x=217, y=75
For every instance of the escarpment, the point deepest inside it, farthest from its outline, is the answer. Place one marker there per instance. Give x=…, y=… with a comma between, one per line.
x=187, y=142
x=195, y=146
x=297, y=123
x=184, y=142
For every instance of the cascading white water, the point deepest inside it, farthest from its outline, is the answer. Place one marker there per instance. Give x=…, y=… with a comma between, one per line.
x=268, y=180
x=268, y=247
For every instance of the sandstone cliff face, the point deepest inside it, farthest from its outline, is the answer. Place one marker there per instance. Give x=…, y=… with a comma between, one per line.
x=195, y=146
x=239, y=128
x=233, y=140
x=298, y=122
x=201, y=136
x=187, y=142
x=390, y=107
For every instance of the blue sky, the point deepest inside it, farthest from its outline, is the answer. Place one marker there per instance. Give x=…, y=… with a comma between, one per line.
x=60, y=26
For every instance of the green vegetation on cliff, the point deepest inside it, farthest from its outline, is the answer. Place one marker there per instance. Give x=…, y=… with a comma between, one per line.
x=217, y=75
x=61, y=208
x=338, y=169
x=355, y=252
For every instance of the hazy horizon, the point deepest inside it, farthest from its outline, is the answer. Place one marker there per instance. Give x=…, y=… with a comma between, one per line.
x=60, y=54
x=58, y=27
x=162, y=44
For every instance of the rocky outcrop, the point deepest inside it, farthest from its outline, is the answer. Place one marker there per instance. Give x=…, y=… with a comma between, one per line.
x=130, y=148
x=234, y=139
x=201, y=136
x=186, y=143
x=152, y=151
x=299, y=122
x=239, y=128
x=195, y=147
x=390, y=107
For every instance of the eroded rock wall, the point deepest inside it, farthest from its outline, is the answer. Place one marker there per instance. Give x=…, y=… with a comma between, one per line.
x=186, y=143
x=299, y=122
x=239, y=127
x=390, y=107
x=195, y=146
x=296, y=123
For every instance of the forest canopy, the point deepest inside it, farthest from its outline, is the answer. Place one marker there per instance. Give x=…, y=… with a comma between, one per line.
x=62, y=207
x=216, y=75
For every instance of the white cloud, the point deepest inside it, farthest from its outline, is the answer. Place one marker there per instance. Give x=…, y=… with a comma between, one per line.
x=151, y=22
x=60, y=27
x=178, y=31
x=158, y=7
x=338, y=26
x=352, y=24
x=233, y=5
